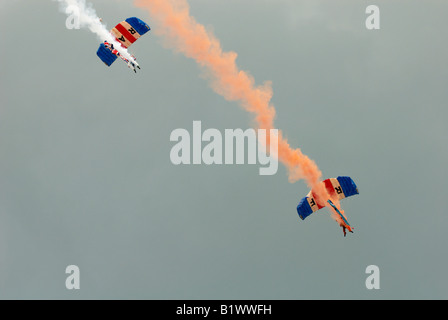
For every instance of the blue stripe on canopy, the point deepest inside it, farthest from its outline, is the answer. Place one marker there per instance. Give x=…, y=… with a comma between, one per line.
x=304, y=209
x=140, y=26
x=106, y=55
x=348, y=186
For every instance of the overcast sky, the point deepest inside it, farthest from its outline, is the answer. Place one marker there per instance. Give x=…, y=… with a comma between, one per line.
x=86, y=177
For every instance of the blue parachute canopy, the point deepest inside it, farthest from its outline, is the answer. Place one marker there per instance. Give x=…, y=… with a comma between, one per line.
x=348, y=186
x=106, y=55
x=304, y=208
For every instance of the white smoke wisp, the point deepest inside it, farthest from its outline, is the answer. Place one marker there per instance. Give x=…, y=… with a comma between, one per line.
x=87, y=18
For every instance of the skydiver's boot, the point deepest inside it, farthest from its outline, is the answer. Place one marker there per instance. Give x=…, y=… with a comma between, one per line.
x=130, y=65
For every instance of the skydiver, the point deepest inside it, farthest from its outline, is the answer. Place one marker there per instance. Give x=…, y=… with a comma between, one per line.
x=343, y=230
x=131, y=64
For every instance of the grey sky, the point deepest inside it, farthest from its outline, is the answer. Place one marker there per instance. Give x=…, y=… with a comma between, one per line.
x=86, y=178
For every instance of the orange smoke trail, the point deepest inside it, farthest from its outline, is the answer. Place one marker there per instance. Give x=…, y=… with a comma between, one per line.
x=184, y=34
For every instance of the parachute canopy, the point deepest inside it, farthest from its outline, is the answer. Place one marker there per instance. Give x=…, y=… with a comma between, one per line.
x=340, y=188
x=126, y=32
x=106, y=55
